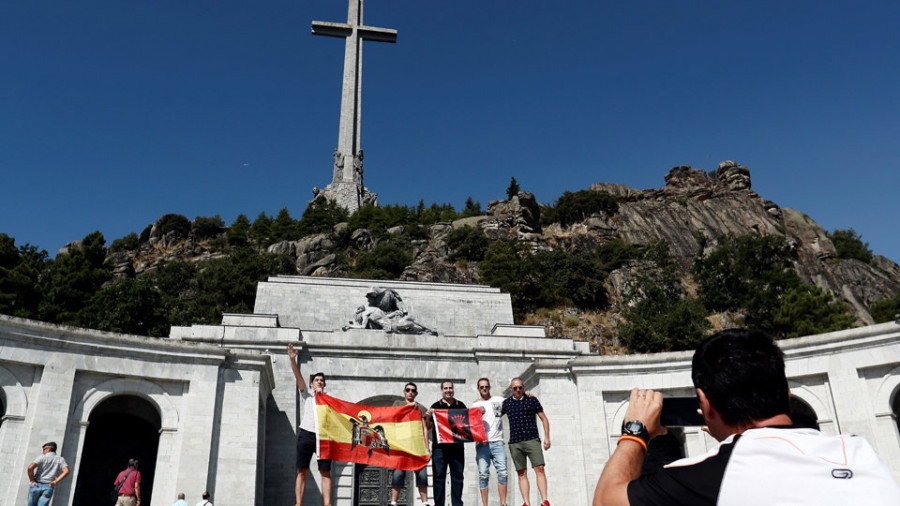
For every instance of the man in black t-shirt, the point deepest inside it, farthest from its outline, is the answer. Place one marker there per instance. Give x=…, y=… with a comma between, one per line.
x=446, y=455
x=744, y=397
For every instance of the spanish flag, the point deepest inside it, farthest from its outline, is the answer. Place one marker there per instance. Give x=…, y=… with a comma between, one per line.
x=390, y=437
x=459, y=425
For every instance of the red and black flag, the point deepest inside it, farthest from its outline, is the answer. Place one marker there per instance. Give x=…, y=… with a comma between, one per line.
x=459, y=425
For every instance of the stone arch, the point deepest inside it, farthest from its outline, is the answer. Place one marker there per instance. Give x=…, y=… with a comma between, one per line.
x=802, y=414
x=886, y=396
x=121, y=427
x=14, y=398
x=129, y=386
x=824, y=417
x=618, y=418
x=381, y=400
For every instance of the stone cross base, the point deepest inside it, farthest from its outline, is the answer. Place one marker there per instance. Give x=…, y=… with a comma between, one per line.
x=348, y=195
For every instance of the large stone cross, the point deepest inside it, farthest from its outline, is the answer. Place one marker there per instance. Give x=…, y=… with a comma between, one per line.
x=346, y=186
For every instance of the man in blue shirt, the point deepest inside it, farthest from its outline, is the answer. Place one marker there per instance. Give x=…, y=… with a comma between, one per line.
x=524, y=439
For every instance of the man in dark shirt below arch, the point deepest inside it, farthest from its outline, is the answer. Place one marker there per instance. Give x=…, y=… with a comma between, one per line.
x=446, y=455
x=524, y=439
x=761, y=458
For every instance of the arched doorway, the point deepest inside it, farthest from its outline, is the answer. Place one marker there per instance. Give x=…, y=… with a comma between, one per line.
x=803, y=415
x=895, y=407
x=120, y=428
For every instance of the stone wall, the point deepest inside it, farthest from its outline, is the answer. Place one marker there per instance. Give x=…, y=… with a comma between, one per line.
x=209, y=400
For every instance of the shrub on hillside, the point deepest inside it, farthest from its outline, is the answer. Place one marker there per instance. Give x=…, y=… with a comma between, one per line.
x=204, y=227
x=238, y=234
x=174, y=223
x=320, y=217
x=849, y=244
x=467, y=243
x=384, y=261
x=261, y=230
x=754, y=275
x=21, y=269
x=128, y=243
x=885, y=310
x=660, y=316
x=808, y=310
x=576, y=207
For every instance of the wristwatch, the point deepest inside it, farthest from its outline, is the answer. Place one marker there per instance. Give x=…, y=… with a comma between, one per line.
x=636, y=428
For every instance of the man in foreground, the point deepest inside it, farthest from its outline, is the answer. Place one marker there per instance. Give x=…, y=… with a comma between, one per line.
x=44, y=474
x=444, y=455
x=410, y=392
x=744, y=397
x=492, y=451
x=524, y=439
x=306, y=435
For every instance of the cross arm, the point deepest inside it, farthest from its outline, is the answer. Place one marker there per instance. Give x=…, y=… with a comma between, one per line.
x=377, y=34
x=344, y=30
x=331, y=29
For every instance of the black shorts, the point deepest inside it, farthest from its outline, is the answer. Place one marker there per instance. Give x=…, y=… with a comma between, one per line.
x=306, y=447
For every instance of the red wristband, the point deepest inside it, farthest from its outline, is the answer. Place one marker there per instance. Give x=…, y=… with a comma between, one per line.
x=628, y=437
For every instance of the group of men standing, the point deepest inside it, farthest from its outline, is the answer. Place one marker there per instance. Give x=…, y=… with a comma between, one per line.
x=521, y=408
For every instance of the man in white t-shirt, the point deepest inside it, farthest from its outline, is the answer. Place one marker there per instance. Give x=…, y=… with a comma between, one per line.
x=493, y=451
x=206, y=500
x=306, y=434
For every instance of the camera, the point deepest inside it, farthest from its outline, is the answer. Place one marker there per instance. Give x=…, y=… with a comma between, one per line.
x=681, y=412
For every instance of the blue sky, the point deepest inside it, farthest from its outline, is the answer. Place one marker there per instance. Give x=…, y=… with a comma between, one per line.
x=113, y=113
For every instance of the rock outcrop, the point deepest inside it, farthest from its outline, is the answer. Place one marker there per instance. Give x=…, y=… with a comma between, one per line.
x=689, y=212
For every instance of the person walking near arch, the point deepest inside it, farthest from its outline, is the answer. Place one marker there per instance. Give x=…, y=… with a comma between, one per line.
x=128, y=484
x=44, y=474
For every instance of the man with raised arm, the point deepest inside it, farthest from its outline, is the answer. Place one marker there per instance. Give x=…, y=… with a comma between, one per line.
x=744, y=397
x=306, y=435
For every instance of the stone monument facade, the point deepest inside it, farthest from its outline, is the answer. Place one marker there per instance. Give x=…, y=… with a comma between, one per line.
x=215, y=407
x=347, y=188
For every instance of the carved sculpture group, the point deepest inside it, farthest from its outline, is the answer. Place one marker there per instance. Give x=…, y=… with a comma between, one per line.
x=386, y=311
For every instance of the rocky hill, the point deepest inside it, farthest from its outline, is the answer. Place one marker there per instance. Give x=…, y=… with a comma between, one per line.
x=689, y=213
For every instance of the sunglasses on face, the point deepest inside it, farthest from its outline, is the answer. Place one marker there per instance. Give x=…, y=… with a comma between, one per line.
x=413, y=390
x=517, y=388
x=484, y=387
